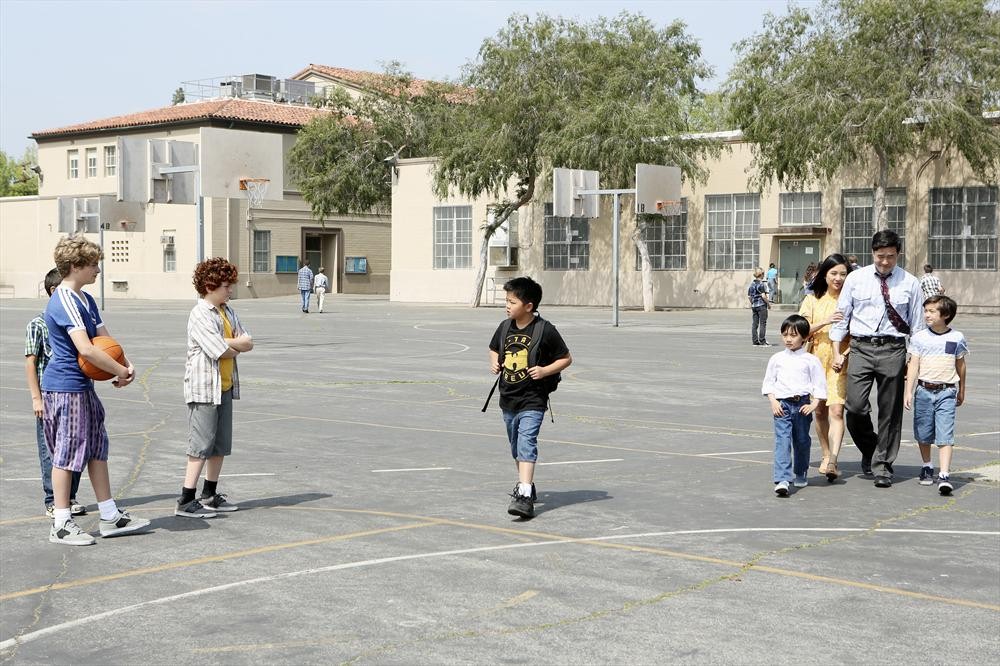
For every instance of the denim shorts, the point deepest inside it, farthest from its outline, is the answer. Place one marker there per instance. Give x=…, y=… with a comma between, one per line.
x=934, y=416
x=522, y=431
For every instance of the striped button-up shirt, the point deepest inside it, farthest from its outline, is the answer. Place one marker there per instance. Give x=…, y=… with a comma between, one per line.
x=863, y=306
x=206, y=343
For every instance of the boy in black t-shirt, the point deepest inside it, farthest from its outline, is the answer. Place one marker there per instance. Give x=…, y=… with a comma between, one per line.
x=524, y=391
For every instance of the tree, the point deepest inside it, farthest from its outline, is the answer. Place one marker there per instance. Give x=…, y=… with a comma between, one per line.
x=343, y=161
x=819, y=92
x=555, y=92
x=17, y=178
x=178, y=97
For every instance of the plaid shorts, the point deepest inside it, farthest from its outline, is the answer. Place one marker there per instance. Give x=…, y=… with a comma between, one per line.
x=74, y=429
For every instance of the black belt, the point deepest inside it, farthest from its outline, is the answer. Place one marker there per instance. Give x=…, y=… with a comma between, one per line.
x=934, y=387
x=796, y=398
x=878, y=340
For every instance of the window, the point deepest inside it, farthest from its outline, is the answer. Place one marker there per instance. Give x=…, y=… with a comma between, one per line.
x=801, y=209
x=452, y=237
x=666, y=240
x=169, y=250
x=567, y=242
x=73, y=163
x=110, y=160
x=963, y=233
x=91, y=162
x=857, y=230
x=732, y=224
x=356, y=265
x=286, y=264
x=261, y=251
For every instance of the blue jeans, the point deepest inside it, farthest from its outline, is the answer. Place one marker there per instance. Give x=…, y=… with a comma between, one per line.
x=45, y=463
x=791, y=441
x=934, y=416
x=305, y=298
x=522, y=431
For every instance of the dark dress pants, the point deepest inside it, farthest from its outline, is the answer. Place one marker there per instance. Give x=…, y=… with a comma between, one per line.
x=885, y=367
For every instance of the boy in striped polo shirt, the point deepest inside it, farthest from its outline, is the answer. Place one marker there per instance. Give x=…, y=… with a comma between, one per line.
x=211, y=383
x=937, y=369
x=73, y=415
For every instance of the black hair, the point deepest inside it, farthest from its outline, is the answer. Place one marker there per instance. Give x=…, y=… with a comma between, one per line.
x=928, y=268
x=799, y=323
x=886, y=238
x=819, y=285
x=946, y=306
x=52, y=280
x=526, y=290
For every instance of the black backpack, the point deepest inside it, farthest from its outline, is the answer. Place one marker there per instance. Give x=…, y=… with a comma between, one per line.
x=550, y=383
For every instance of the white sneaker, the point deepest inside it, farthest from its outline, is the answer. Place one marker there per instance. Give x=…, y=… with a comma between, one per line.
x=781, y=489
x=122, y=523
x=70, y=534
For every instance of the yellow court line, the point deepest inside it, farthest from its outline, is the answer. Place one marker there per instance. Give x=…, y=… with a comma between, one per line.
x=205, y=560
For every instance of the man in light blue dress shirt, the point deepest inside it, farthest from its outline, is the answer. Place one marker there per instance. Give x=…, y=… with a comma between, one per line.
x=878, y=351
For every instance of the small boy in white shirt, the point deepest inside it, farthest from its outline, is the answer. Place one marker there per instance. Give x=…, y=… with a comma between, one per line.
x=794, y=382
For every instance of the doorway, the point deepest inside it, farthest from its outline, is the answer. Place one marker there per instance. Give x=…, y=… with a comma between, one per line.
x=793, y=258
x=321, y=249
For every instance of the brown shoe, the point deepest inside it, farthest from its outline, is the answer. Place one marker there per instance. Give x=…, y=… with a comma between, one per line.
x=824, y=466
x=832, y=473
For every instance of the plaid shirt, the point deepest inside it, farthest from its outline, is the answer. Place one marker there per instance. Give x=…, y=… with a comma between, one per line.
x=305, y=279
x=930, y=285
x=202, y=379
x=36, y=343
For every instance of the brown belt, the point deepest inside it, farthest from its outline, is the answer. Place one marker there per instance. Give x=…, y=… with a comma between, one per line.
x=934, y=387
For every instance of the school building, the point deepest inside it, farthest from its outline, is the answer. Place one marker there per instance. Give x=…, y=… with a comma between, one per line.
x=705, y=256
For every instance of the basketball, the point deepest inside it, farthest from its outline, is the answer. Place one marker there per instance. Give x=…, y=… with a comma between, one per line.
x=109, y=346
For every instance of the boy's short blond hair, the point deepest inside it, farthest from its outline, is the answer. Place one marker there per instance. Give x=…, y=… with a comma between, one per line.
x=758, y=272
x=76, y=251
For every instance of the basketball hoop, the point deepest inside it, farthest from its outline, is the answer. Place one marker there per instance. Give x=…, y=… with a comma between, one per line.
x=255, y=188
x=669, y=207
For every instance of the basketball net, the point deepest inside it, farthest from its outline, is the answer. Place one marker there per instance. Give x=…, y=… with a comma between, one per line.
x=256, y=189
x=669, y=208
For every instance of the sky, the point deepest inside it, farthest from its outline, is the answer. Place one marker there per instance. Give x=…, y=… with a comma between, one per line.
x=70, y=62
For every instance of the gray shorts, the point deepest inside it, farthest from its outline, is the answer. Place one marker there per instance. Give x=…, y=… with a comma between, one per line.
x=211, y=428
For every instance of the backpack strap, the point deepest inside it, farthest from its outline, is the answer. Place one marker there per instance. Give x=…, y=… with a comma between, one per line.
x=504, y=330
x=535, y=346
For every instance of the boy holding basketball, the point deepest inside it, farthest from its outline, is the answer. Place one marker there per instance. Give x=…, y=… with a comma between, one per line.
x=72, y=414
x=211, y=383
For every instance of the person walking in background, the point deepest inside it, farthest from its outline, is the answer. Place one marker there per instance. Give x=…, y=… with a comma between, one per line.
x=881, y=305
x=807, y=280
x=305, y=284
x=820, y=309
x=772, y=283
x=321, y=284
x=930, y=284
x=759, y=304
x=853, y=261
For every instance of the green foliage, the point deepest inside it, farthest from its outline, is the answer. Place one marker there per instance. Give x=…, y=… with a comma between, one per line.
x=858, y=80
x=339, y=160
x=178, y=97
x=16, y=177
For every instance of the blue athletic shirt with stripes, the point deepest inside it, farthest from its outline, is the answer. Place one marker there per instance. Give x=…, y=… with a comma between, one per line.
x=65, y=313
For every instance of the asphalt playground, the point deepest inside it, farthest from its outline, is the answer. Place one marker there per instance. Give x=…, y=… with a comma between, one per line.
x=373, y=494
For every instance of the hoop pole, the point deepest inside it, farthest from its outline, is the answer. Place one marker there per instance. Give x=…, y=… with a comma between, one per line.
x=100, y=239
x=200, y=216
x=614, y=262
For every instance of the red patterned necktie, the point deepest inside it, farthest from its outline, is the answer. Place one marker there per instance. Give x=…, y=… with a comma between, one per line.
x=894, y=317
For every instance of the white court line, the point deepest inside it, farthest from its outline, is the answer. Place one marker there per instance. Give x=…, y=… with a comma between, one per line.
x=252, y=474
x=41, y=633
x=733, y=453
x=581, y=462
x=412, y=469
x=980, y=434
x=26, y=478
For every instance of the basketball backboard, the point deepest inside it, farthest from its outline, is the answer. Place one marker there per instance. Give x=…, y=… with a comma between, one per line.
x=140, y=178
x=657, y=189
x=88, y=214
x=229, y=155
x=565, y=200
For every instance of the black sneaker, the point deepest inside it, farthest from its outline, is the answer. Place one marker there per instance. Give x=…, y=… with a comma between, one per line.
x=926, y=476
x=944, y=485
x=522, y=506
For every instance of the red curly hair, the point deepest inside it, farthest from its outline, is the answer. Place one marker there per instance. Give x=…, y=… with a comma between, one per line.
x=211, y=273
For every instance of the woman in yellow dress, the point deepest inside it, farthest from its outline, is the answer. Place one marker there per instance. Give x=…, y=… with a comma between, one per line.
x=820, y=308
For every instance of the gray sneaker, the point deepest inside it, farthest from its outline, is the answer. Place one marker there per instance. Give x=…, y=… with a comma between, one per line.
x=77, y=509
x=122, y=523
x=193, y=509
x=218, y=502
x=70, y=534
x=50, y=511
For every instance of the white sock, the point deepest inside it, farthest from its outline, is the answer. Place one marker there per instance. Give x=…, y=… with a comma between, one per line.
x=524, y=489
x=60, y=517
x=108, y=509
x=941, y=475
x=929, y=465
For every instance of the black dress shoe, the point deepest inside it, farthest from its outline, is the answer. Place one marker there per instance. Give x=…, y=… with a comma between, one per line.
x=866, y=466
x=883, y=482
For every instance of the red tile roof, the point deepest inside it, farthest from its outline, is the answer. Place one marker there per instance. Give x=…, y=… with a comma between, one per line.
x=246, y=110
x=372, y=80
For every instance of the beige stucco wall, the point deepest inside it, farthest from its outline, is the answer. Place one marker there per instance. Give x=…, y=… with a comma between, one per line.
x=415, y=279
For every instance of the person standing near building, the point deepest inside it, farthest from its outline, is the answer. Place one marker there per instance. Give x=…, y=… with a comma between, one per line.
x=305, y=284
x=321, y=284
x=930, y=284
x=772, y=283
x=881, y=304
x=759, y=303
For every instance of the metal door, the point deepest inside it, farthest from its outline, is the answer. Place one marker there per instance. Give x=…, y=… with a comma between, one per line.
x=793, y=257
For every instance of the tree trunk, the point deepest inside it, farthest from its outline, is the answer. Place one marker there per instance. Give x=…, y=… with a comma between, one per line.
x=505, y=211
x=879, y=218
x=646, y=264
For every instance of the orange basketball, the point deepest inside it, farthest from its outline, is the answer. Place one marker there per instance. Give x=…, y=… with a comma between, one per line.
x=109, y=346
